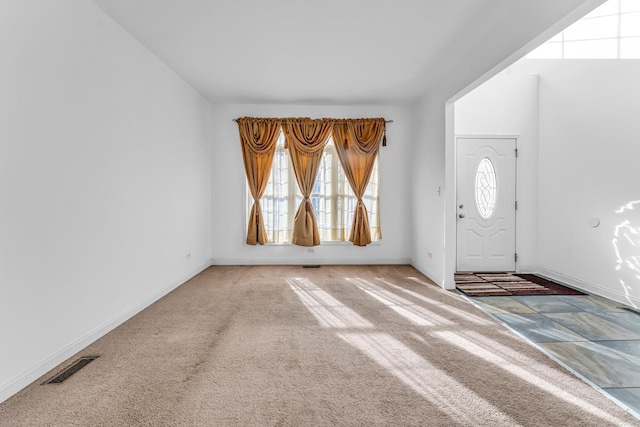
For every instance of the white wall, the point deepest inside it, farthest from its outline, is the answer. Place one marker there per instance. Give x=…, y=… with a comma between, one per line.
x=229, y=184
x=105, y=182
x=433, y=132
x=589, y=153
x=428, y=188
x=508, y=105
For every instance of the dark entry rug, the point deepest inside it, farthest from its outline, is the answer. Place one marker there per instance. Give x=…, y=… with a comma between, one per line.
x=496, y=284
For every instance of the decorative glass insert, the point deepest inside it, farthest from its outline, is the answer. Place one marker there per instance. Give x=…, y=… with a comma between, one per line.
x=486, y=188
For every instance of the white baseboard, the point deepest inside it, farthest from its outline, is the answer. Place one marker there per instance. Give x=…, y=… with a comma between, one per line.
x=591, y=288
x=20, y=381
x=528, y=269
x=310, y=260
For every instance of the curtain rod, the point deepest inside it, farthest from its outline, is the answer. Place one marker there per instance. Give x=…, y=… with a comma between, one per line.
x=339, y=121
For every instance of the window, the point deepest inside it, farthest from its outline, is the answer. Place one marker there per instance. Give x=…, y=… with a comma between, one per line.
x=610, y=31
x=486, y=188
x=332, y=198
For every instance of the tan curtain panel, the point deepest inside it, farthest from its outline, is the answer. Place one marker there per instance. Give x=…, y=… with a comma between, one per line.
x=357, y=143
x=258, y=138
x=305, y=140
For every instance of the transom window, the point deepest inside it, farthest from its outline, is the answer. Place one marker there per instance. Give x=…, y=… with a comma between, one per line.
x=610, y=31
x=332, y=198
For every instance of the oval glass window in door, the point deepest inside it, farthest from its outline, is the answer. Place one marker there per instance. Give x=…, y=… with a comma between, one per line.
x=486, y=188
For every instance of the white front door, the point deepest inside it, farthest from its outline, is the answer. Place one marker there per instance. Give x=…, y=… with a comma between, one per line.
x=486, y=204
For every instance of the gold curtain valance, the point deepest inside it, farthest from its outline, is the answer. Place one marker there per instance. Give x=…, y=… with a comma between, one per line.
x=361, y=135
x=282, y=121
x=259, y=136
x=306, y=136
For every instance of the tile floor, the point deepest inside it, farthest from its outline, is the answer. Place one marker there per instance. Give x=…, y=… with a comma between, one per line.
x=591, y=336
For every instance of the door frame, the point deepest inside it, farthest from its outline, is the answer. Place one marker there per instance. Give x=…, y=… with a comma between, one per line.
x=455, y=191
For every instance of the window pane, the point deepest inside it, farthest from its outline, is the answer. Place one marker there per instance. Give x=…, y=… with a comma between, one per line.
x=630, y=48
x=591, y=49
x=630, y=24
x=547, y=50
x=556, y=38
x=629, y=6
x=321, y=196
x=275, y=201
x=608, y=8
x=594, y=28
x=608, y=32
x=372, y=201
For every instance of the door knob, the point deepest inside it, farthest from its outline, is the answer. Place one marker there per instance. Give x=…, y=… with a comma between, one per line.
x=461, y=215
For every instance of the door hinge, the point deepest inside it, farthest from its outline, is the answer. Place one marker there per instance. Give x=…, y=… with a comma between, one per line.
x=516, y=204
x=515, y=257
x=516, y=150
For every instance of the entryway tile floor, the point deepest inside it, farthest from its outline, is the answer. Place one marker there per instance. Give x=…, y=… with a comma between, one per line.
x=593, y=337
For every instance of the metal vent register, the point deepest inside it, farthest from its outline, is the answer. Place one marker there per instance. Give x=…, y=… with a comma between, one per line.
x=75, y=367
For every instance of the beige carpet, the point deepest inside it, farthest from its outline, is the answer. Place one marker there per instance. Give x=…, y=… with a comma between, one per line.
x=337, y=345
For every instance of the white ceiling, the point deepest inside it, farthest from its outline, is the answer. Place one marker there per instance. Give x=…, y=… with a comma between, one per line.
x=325, y=52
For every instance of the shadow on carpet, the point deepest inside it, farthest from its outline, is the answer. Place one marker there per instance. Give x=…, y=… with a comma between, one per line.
x=506, y=284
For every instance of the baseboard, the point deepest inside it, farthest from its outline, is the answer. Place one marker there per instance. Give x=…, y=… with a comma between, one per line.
x=591, y=288
x=528, y=269
x=310, y=260
x=20, y=381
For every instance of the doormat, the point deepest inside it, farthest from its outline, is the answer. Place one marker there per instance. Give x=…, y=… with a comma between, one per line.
x=505, y=284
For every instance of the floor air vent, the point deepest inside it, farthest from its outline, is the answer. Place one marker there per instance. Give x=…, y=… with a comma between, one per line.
x=310, y=266
x=75, y=367
x=633, y=310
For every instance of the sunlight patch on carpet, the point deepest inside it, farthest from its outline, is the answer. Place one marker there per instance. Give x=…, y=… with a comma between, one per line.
x=427, y=380
x=442, y=306
x=329, y=312
x=407, y=309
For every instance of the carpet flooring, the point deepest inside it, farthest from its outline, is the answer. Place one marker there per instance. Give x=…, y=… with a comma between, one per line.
x=497, y=284
x=336, y=345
